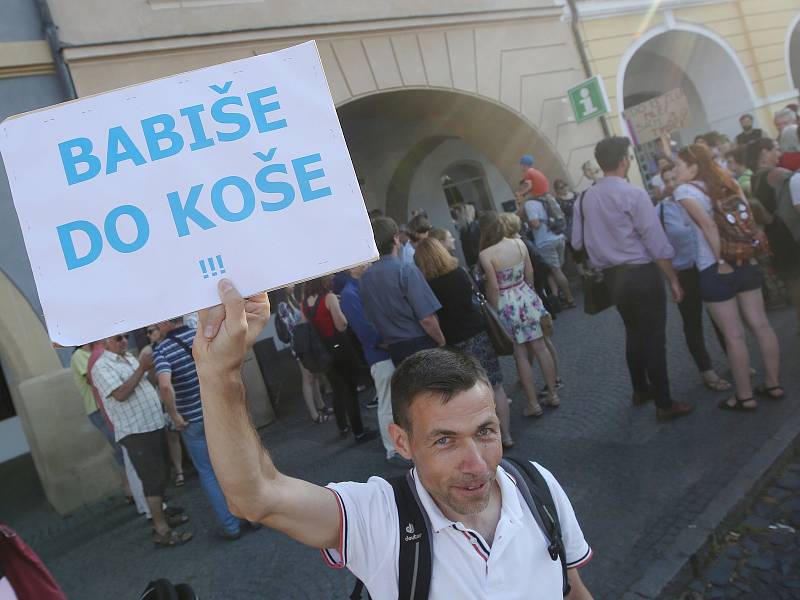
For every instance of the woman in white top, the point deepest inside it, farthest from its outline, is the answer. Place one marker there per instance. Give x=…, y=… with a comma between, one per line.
x=681, y=233
x=731, y=292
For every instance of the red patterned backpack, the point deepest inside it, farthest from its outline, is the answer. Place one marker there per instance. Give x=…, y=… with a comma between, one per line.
x=739, y=236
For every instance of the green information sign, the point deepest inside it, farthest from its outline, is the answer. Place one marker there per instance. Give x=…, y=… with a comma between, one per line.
x=588, y=99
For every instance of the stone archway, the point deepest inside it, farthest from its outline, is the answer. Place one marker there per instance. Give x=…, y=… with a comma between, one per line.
x=25, y=352
x=697, y=60
x=394, y=136
x=793, y=53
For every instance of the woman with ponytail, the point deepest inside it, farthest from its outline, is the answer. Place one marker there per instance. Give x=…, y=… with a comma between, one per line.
x=730, y=288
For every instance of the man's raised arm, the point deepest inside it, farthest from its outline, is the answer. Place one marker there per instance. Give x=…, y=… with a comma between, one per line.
x=254, y=488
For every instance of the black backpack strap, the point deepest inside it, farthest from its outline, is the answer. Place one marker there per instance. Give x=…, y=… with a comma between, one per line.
x=416, y=560
x=357, y=590
x=539, y=499
x=174, y=337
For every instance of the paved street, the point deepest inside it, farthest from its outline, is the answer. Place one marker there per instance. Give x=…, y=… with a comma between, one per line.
x=636, y=484
x=760, y=556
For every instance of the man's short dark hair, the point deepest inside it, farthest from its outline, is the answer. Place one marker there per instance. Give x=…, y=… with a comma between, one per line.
x=746, y=116
x=441, y=371
x=610, y=152
x=384, y=229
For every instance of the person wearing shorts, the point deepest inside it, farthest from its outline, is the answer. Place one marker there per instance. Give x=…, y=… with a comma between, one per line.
x=550, y=247
x=135, y=411
x=731, y=292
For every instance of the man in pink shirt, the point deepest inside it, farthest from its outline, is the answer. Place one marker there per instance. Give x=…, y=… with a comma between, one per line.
x=617, y=224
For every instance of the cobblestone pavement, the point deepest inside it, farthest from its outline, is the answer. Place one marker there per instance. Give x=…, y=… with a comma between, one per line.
x=635, y=484
x=760, y=556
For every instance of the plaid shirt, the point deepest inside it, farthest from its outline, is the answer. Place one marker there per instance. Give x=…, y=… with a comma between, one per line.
x=138, y=413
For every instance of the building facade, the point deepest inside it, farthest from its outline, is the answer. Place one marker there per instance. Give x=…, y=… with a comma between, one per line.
x=730, y=57
x=437, y=102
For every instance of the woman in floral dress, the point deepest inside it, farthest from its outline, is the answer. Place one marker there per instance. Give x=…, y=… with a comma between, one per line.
x=509, y=287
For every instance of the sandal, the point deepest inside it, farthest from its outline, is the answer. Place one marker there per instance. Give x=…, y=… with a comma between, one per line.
x=717, y=385
x=171, y=539
x=553, y=400
x=738, y=405
x=179, y=480
x=321, y=418
x=177, y=520
x=767, y=392
x=535, y=412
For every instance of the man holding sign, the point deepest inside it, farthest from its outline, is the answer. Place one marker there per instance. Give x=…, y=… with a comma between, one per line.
x=485, y=541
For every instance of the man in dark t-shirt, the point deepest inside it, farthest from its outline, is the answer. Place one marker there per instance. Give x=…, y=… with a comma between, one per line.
x=748, y=133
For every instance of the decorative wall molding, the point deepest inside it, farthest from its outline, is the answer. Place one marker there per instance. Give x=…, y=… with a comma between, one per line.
x=594, y=9
x=21, y=59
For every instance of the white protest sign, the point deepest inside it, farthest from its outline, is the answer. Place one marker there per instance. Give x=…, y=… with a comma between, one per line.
x=133, y=203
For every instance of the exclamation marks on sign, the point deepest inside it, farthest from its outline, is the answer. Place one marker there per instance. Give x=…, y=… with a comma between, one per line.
x=214, y=265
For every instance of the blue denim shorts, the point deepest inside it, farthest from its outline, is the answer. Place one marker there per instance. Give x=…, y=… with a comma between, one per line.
x=716, y=287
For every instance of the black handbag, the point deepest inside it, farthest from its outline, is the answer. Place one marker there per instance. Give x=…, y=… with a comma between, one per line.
x=596, y=295
x=501, y=339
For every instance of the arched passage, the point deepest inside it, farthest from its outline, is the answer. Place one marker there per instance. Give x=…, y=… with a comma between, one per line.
x=695, y=60
x=403, y=142
x=793, y=53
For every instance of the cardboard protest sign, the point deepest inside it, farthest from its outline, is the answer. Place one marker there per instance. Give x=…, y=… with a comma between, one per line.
x=133, y=203
x=659, y=116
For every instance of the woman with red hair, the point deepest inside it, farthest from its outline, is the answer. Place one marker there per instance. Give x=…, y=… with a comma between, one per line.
x=730, y=290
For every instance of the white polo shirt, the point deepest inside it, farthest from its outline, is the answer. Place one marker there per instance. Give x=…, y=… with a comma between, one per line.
x=516, y=566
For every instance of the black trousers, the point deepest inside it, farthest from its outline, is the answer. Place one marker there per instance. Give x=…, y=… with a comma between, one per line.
x=691, y=310
x=343, y=376
x=638, y=293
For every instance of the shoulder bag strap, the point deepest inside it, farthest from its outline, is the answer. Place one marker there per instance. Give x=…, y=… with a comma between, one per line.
x=174, y=337
x=582, y=200
x=415, y=560
x=539, y=499
x=312, y=311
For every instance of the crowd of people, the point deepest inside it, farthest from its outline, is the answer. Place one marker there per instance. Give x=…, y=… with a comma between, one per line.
x=721, y=221
x=148, y=408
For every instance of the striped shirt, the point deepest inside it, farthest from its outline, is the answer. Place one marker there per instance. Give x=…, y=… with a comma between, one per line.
x=172, y=357
x=138, y=413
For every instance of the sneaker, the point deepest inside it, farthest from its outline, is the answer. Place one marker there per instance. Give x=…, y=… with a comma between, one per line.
x=366, y=435
x=373, y=403
x=677, y=410
x=343, y=433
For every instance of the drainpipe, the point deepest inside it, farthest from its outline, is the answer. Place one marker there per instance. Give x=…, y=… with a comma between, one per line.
x=51, y=35
x=587, y=68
